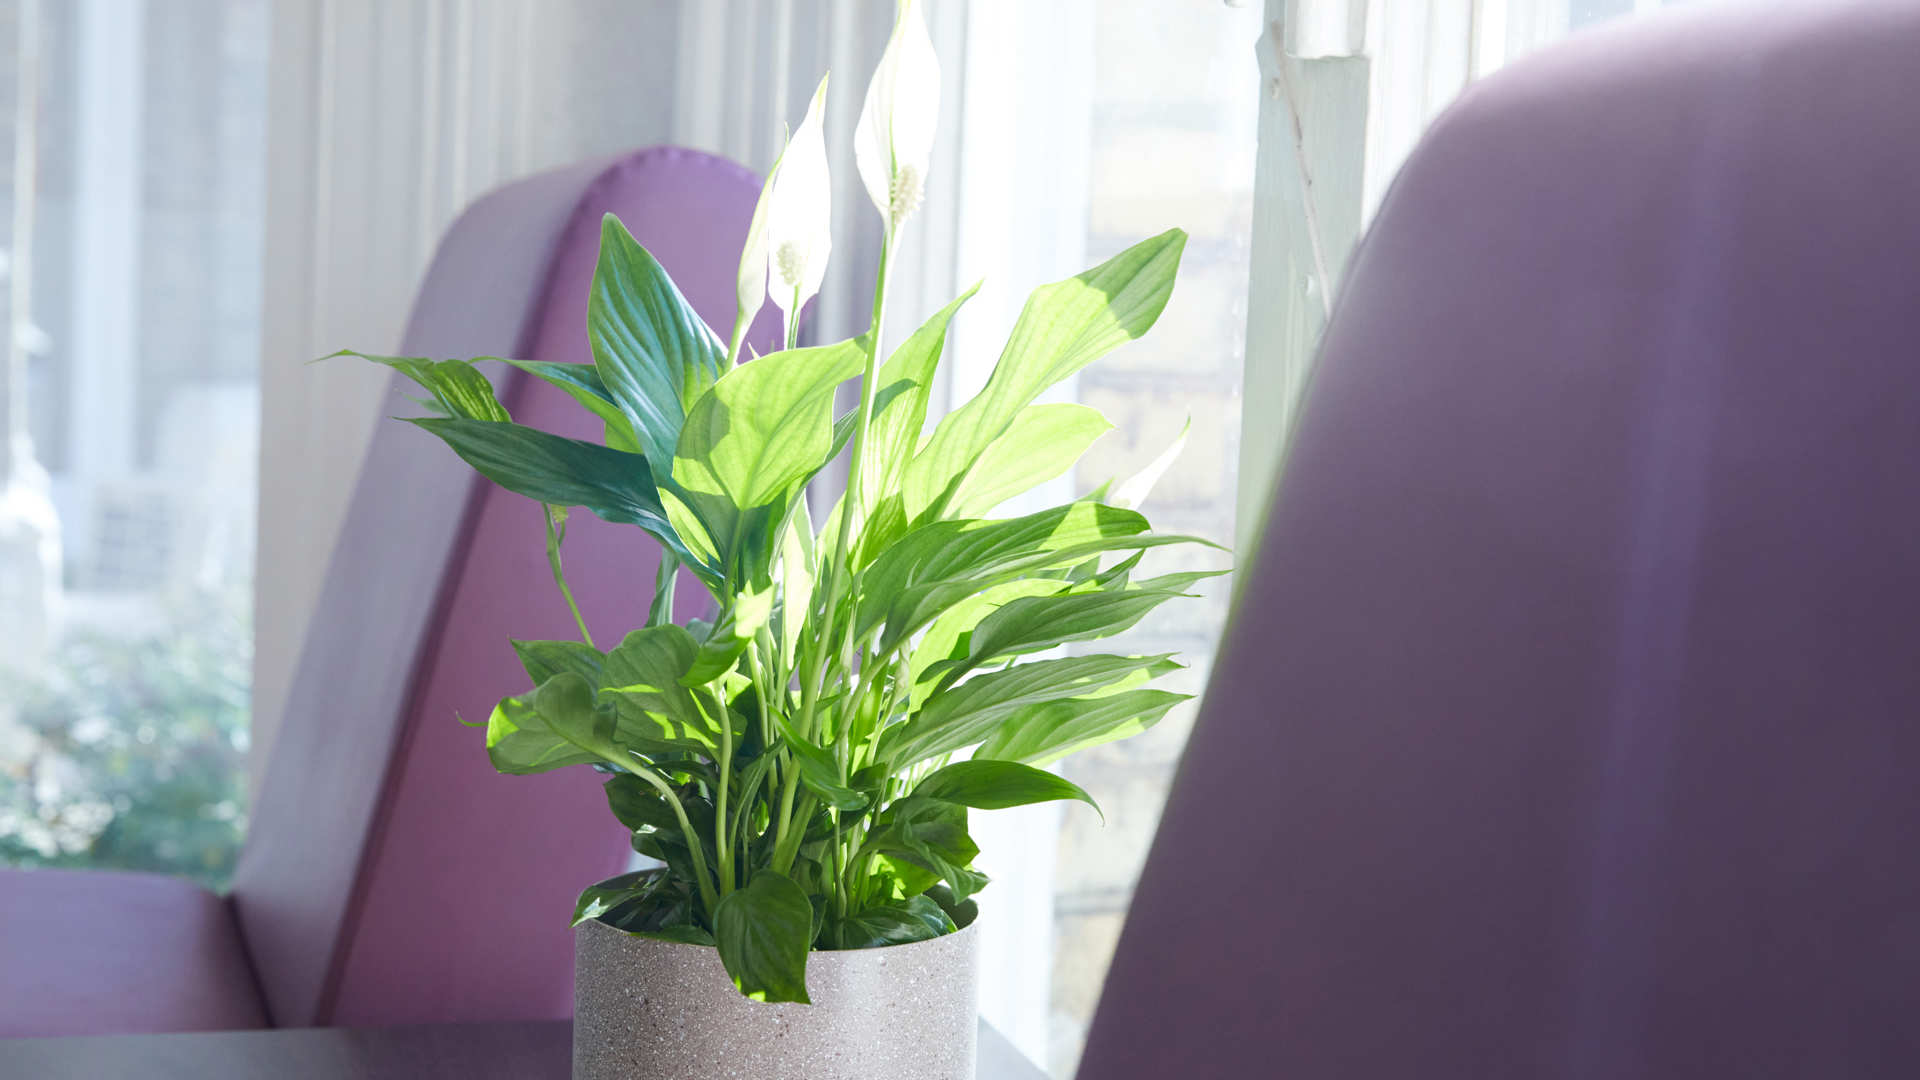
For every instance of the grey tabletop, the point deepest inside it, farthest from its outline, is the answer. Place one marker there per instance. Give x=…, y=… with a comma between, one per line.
x=531, y=1050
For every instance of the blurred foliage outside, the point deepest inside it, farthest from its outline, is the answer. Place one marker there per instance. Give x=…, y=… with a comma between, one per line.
x=130, y=752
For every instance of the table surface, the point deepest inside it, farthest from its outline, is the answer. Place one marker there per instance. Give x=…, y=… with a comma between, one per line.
x=529, y=1049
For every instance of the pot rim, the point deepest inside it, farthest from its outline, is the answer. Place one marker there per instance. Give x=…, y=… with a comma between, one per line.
x=811, y=953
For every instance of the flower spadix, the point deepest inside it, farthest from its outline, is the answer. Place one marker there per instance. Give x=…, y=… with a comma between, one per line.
x=799, y=219
x=893, y=144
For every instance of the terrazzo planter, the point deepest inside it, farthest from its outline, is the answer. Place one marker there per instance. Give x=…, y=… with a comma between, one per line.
x=655, y=1010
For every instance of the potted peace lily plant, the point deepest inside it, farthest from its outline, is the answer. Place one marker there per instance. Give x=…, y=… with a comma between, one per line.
x=797, y=762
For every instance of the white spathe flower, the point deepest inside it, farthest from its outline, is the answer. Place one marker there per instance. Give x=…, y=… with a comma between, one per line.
x=893, y=144
x=750, y=287
x=800, y=213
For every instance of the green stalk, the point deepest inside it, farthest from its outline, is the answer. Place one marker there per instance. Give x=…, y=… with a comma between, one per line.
x=554, y=537
x=721, y=838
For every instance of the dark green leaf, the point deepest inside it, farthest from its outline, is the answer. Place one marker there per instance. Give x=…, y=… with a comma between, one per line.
x=563, y=472
x=582, y=383
x=638, y=805
x=897, y=923
x=654, y=354
x=764, y=932
x=545, y=659
x=598, y=899
x=961, y=912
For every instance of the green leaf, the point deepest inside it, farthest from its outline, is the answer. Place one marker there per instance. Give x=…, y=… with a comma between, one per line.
x=598, y=899
x=962, y=912
x=1063, y=327
x=931, y=833
x=1034, y=623
x=458, y=388
x=641, y=681
x=556, y=726
x=681, y=934
x=638, y=805
x=948, y=640
x=1042, y=442
x=1045, y=733
x=582, y=383
x=739, y=621
x=563, y=472
x=970, y=712
x=753, y=441
x=764, y=932
x=654, y=354
x=545, y=659
x=900, y=923
x=938, y=565
x=997, y=785
x=819, y=772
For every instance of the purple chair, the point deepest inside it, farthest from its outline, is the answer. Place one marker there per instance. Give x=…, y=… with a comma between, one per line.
x=390, y=876
x=1569, y=723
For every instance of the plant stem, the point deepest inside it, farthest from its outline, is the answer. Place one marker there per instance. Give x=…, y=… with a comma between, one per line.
x=560, y=579
x=721, y=837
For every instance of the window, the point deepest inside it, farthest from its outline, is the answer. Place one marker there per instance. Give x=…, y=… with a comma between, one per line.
x=132, y=142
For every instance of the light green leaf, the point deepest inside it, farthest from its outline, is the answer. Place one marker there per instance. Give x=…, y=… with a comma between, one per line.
x=972, y=711
x=654, y=354
x=1042, y=442
x=997, y=785
x=582, y=383
x=1045, y=733
x=641, y=681
x=764, y=932
x=753, y=441
x=563, y=472
x=545, y=659
x=554, y=727
x=1064, y=327
x=733, y=631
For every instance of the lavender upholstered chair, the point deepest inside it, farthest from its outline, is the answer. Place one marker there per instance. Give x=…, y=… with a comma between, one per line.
x=390, y=876
x=1569, y=724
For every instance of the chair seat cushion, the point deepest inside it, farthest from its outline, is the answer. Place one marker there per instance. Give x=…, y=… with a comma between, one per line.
x=91, y=952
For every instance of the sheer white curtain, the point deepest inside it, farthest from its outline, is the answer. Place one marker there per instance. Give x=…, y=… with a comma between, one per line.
x=1350, y=86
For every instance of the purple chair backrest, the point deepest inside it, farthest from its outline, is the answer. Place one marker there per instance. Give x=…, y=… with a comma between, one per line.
x=391, y=876
x=1569, y=723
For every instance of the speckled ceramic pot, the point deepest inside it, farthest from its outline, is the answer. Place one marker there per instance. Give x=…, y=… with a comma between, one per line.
x=655, y=1010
